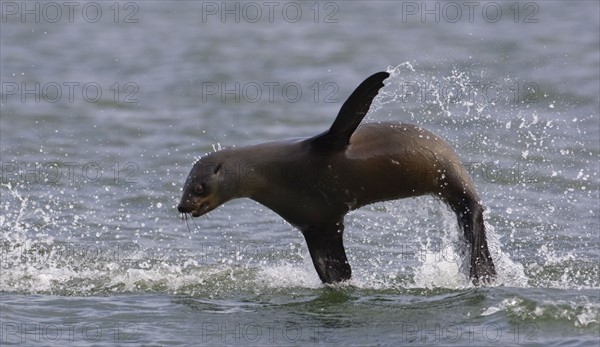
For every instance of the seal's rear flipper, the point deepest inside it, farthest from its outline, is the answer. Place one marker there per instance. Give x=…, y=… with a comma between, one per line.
x=482, y=265
x=351, y=114
x=327, y=252
x=483, y=270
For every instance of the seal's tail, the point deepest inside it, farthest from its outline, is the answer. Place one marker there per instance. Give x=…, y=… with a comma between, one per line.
x=471, y=221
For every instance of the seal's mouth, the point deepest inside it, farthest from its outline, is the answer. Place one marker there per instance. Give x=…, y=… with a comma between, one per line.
x=195, y=209
x=201, y=210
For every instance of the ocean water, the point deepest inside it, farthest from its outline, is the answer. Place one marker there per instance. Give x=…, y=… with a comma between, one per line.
x=106, y=105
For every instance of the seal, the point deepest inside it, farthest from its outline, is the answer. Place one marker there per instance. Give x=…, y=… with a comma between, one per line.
x=314, y=182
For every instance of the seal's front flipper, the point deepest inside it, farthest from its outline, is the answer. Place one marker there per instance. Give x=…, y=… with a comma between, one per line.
x=351, y=114
x=327, y=252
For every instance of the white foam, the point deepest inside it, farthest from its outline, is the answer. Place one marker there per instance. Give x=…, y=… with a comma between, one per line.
x=37, y=264
x=582, y=314
x=288, y=276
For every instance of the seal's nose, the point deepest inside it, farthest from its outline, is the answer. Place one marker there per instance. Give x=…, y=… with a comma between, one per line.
x=183, y=209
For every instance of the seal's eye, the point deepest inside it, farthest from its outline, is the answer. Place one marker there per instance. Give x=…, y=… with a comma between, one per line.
x=199, y=188
x=217, y=168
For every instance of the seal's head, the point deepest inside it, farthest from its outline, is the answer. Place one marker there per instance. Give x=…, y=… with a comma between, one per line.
x=205, y=188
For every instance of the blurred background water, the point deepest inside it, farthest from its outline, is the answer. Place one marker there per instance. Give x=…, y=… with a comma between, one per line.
x=106, y=105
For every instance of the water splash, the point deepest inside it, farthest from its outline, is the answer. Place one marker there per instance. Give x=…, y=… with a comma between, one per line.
x=581, y=313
